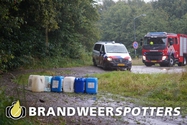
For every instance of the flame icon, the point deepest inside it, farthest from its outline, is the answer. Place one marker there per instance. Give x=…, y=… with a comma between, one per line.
x=15, y=111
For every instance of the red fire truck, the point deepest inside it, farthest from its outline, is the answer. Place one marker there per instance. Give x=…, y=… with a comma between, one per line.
x=165, y=49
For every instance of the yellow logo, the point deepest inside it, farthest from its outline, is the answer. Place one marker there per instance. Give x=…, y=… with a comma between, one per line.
x=15, y=111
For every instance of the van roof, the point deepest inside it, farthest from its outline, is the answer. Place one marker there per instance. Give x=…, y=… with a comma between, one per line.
x=108, y=42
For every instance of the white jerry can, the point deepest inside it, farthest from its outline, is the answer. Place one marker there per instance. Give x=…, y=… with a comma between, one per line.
x=68, y=84
x=38, y=83
x=30, y=81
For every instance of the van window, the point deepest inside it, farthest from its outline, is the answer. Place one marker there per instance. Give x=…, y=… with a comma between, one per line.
x=97, y=47
x=115, y=49
x=103, y=49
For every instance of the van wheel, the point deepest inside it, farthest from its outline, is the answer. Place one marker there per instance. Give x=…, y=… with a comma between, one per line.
x=105, y=66
x=94, y=62
x=129, y=69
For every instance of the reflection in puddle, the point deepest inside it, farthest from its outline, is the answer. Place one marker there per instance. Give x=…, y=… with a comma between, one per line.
x=94, y=98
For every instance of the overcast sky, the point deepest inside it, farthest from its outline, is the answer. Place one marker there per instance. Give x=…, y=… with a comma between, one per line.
x=147, y=0
x=144, y=0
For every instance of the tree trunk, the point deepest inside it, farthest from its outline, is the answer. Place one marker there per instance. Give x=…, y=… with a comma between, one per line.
x=46, y=39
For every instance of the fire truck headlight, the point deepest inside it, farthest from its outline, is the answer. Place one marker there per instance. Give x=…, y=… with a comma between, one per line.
x=164, y=57
x=143, y=58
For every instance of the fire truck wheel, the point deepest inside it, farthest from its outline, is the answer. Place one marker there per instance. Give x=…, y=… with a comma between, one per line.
x=184, y=62
x=171, y=61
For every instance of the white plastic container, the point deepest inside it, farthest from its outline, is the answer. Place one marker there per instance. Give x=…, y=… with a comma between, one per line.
x=38, y=83
x=30, y=80
x=47, y=87
x=68, y=84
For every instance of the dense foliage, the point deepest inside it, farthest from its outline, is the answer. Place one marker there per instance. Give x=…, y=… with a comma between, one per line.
x=41, y=29
x=34, y=30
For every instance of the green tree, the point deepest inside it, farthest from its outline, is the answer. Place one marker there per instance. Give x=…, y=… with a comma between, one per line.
x=175, y=11
x=65, y=27
x=117, y=22
x=41, y=14
x=77, y=27
x=10, y=22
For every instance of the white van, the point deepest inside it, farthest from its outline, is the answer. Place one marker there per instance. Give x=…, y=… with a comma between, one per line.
x=111, y=55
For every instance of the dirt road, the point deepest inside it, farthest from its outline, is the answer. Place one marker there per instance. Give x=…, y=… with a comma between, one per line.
x=83, y=71
x=85, y=100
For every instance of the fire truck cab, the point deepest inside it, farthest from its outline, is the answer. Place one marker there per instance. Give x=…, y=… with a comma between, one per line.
x=165, y=49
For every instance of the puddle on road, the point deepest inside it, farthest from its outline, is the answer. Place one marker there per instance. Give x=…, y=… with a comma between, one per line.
x=157, y=69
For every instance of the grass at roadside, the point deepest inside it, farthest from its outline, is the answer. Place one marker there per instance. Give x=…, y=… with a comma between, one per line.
x=149, y=89
x=59, y=62
x=137, y=61
x=23, y=78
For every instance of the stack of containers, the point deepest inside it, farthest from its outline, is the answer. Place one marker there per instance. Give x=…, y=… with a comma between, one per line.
x=68, y=84
x=79, y=85
x=56, y=83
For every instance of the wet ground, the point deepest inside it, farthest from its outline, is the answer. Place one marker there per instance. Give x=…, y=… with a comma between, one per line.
x=157, y=69
x=49, y=99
